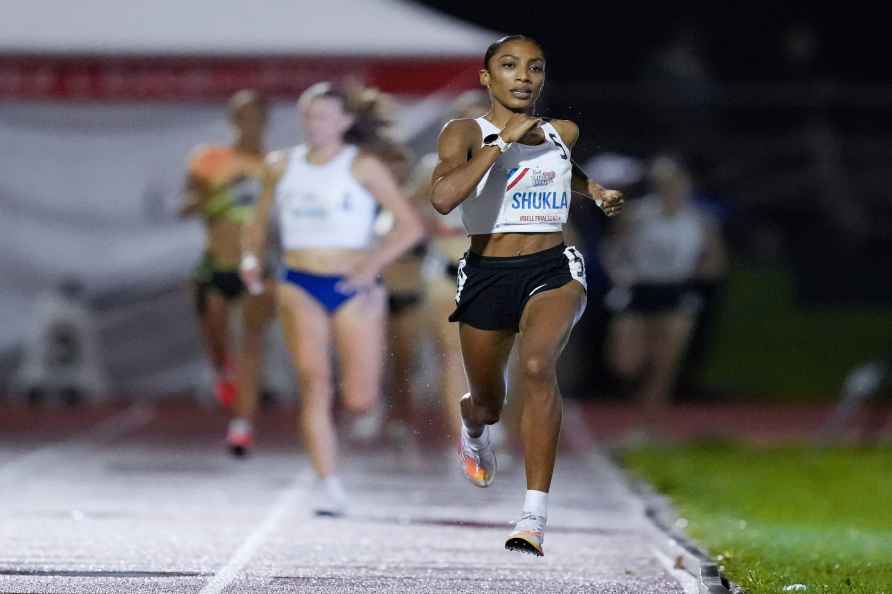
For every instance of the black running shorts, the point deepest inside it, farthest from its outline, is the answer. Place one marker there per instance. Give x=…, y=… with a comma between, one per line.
x=209, y=277
x=653, y=299
x=492, y=292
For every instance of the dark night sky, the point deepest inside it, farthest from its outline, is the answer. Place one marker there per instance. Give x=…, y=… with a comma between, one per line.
x=741, y=41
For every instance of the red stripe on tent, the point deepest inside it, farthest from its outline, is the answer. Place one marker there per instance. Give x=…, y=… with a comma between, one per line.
x=183, y=78
x=519, y=177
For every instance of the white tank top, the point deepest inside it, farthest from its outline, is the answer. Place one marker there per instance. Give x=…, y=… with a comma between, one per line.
x=664, y=249
x=323, y=206
x=527, y=189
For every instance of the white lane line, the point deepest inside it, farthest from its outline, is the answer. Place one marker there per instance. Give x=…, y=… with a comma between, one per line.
x=685, y=579
x=281, y=508
x=109, y=429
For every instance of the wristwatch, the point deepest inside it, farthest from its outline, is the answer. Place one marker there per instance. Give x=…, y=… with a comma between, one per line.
x=496, y=141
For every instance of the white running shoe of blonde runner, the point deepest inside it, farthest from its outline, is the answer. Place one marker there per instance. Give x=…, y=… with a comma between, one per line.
x=366, y=428
x=477, y=455
x=528, y=535
x=330, y=498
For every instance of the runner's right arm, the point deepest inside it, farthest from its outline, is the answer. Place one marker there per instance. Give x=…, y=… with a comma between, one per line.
x=460, y=168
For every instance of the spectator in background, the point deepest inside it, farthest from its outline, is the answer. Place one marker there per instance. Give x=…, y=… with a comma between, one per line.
x=61, y=350
x=655, y=255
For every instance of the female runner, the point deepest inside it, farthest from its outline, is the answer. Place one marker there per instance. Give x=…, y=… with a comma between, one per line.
x=511, y=173
x=327, y=192
x=664, y=246
x=223, y=185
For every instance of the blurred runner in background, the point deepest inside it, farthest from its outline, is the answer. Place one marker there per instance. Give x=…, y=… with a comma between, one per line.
x=657, y=250
x=223, y=186
x=327, y=192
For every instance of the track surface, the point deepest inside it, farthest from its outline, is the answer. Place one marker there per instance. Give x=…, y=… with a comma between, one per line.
x=145, y=500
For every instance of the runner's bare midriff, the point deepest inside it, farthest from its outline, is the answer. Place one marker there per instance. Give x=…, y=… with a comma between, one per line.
x=324, y=261
x=223, y=243
x=506, y=245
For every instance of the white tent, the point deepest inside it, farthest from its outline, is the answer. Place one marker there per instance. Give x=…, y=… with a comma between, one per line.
x=236, y=27
x=206, y=49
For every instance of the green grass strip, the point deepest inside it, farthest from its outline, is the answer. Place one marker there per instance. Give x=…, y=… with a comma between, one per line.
x=774, y=517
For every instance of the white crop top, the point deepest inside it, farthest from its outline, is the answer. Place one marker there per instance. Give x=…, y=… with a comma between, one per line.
x=664, y=249
x=323, y=206
x=527, y=189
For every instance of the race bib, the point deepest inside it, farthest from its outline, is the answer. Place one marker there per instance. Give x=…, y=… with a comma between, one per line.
x=534, y=196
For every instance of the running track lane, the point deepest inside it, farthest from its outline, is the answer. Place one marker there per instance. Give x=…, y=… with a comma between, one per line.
x=158, y=507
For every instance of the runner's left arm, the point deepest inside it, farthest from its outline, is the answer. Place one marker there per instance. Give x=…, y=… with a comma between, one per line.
x=408, y=228
x=609, y=201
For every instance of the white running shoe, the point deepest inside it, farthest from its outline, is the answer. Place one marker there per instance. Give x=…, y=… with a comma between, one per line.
x=330, y=499
x=477, y=456
x=528, y=535
x=365, y=428
x=239, y=437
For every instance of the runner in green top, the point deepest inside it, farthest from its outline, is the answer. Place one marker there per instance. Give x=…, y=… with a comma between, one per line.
x=222, y=187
